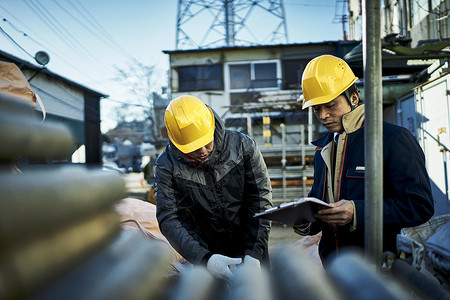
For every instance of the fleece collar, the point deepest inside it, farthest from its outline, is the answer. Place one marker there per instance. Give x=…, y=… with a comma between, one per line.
x=353, y=120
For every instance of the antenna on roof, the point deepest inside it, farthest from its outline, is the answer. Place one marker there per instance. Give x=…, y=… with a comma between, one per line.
x=42, y=58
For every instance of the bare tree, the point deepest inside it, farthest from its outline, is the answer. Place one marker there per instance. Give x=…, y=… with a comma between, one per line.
x=143, y=83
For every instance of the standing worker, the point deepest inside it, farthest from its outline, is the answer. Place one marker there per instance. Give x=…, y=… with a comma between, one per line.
x=329, y=88
x=209, y=183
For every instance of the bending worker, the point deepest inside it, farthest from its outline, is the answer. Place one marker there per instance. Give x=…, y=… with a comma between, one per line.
x=329, y=88
x=209, y=183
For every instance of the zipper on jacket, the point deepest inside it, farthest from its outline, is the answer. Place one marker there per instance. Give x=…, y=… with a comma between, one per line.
x=335, y=228
x=220, y=196
x=342, y=168
x=324, y=185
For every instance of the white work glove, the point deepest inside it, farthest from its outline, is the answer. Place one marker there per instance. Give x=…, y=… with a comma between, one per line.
x=252, y=263
x=219, y=266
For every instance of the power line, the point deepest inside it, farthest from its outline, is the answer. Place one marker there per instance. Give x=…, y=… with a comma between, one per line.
x=52, y=95
x=83, y=24
x=41, y=38
x=44, y=18
x=48, y=18
x=20, y=31
x=36, y=41
x=95, y=24
x=15, y=43
x=128, y=104
x=22, y=23
x=64, y=34
x=87, y=73
x=65, y=102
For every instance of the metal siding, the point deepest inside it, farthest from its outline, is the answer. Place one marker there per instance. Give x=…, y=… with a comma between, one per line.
x=406, y=114
x=433, y=105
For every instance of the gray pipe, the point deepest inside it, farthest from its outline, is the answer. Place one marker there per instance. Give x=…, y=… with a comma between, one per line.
x=373, y=142
x=302, y=143
x=283, y=158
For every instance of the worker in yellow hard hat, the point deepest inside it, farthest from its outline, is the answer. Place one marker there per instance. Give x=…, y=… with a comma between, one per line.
x=329, y=88
x=209, y=183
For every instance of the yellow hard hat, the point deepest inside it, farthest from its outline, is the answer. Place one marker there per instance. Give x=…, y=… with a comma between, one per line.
x=325, y=77
x=189, y=123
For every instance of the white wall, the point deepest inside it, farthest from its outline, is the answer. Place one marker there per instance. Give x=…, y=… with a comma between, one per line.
x=59, y=98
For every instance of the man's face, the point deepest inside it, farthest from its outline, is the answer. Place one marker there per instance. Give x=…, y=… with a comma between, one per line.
x=202, y=153
x=330, y=114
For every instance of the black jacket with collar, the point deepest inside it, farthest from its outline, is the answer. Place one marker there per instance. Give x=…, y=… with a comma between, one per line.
x=207, y=208
x=406, y=187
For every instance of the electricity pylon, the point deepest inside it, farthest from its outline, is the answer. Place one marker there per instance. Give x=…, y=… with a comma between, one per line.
x=215, y=23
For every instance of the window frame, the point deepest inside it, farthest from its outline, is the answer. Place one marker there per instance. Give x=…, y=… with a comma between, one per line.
x=252, y=64
x=197, y=80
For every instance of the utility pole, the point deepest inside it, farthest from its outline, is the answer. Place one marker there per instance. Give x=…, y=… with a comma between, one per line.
x=229, y=23
x=340, y=16
x=373, y=132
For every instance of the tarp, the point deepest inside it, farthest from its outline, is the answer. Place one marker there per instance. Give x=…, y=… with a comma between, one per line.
x=427, y=247
x=139, y=215
x=438, y=249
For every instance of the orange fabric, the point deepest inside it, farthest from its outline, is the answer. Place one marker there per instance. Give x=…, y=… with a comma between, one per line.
x=140, y=216
x=14, y=83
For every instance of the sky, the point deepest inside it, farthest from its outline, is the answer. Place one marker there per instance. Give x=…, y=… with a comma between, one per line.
x=89, y=40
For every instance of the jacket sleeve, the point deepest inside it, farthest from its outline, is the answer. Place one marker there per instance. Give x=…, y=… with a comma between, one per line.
x=317, y=180
x=257, y=198
x=407, y=192
x=174, y=225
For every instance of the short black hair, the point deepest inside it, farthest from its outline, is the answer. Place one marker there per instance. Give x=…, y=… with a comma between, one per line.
x=350, y=91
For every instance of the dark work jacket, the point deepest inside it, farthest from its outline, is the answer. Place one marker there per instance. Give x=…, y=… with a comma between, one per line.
x=207, y=208
x=407, y=198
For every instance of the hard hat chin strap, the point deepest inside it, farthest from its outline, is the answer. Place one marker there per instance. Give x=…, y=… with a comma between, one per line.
x=347, y=95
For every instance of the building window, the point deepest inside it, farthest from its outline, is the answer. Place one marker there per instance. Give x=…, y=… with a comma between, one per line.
x=253, y=75
x=200, y=78
x=240, y=76
x=292, y=73
x=265, y=75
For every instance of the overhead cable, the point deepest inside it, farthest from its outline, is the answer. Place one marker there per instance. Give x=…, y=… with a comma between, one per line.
x=96, y=25
x=15, y=43
x=66, y=33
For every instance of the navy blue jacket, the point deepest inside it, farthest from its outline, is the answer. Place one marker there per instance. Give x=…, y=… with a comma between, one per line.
x=407, y=193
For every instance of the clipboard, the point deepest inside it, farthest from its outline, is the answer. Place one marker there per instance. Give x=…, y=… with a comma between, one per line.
x=295, y=212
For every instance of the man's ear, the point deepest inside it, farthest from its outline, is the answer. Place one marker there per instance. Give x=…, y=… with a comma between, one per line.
x=355, y=98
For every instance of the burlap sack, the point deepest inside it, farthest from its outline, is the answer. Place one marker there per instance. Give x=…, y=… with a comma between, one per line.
x=14, y=84
x=140, y=216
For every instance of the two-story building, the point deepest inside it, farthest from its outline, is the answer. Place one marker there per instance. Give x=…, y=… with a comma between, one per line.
x=256, y=90
x=417, y=36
